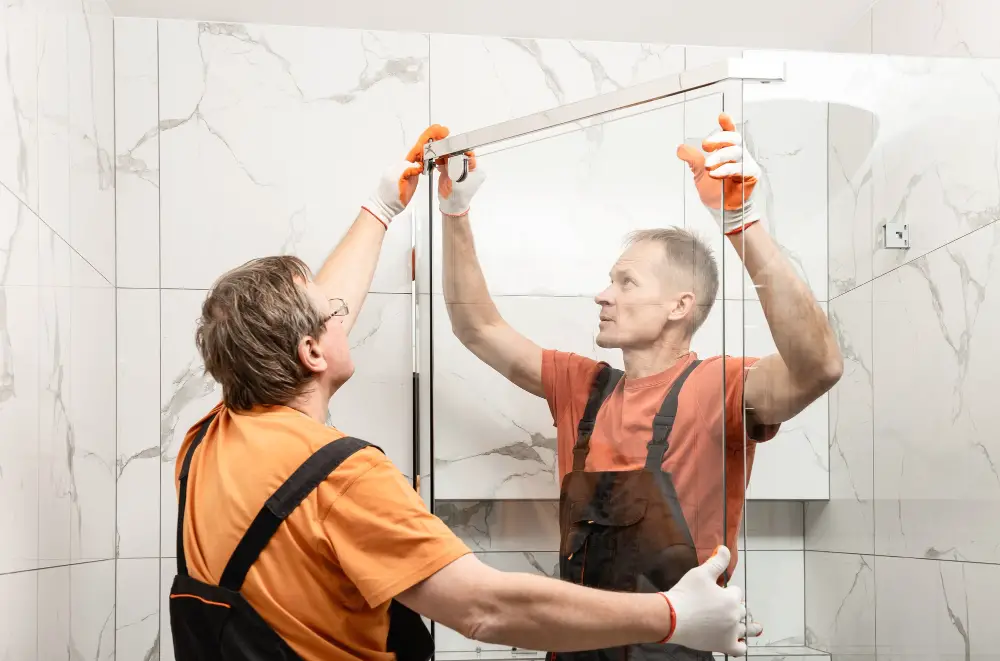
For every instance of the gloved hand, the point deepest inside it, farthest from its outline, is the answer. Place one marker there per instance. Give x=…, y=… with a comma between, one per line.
x=726, y=178
x=708, y=617
x=399, y=182
x=455, y=197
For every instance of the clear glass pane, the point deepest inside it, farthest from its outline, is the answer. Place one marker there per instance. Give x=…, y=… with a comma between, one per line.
x=550, y=226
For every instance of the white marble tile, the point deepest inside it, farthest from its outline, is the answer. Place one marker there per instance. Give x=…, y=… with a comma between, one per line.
x=92, y=611
x=377, y=403
x=947, y=599
x=846, y=522
x=856, y=37
x=771, y=526
x=583, y=190
x=480, y=81
x=19, y=615
x=186, y=394
x=503, y=525
x=773, y=584
x=941, y=193
x=138, y=450
x=53, y=113
x=18, y=99
x=18, y=241
x=491, y=439
x=288, y=146
x=168, y=570
x=91, y=135
x=77, y=407
x=137, y=157
x=92, y=411
x=851, y=136
x=794, y=465
x=953, y=28
x=19, y=416
x=54, y=613
x=840, y=604
x=547, y=564
x=937, y=489
x=137, y=603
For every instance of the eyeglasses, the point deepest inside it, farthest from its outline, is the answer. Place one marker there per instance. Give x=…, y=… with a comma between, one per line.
x=339, y=307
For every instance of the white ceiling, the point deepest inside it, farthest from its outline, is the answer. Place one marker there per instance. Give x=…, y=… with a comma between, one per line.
x=794, y=24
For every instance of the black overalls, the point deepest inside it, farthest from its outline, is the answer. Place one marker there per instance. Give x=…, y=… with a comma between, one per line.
x=624, y=530
x=215, y=623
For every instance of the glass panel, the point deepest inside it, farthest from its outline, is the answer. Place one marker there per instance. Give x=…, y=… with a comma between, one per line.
x=550, y=225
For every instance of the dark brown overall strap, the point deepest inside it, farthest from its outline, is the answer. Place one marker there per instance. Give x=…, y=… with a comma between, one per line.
x=663, y=421
x=604, y=384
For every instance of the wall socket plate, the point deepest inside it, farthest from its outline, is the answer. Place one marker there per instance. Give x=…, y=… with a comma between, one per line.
x=897, y=235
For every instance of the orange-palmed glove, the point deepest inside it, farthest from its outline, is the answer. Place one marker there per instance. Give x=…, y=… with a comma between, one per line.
x=455, y=197
x=725, y=175
x=399, y=182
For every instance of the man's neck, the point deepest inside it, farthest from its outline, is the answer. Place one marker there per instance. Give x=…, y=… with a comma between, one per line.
x=645, y=362
x=314, y=404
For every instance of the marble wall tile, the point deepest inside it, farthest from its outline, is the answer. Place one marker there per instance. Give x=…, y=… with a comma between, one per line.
x=380, y=348
x=846, y=522
x=168, y=570
x=547, y=564
x=19, y=382
x=77, y=407
x=284, y=163
x=771, y=526
x=92, y=610
x=773, y=586
x=53, y=113
x=55, y=613
x=950, y=28
x=840, y=605
x=19, y=100
x=937, y=490
x=503, y=525
x=953, y=602
x=19, y=615
x=851, y=137
x=138, y=451
x=137, y=603
x=90, y=48
x=582, y=191
x=137, y=153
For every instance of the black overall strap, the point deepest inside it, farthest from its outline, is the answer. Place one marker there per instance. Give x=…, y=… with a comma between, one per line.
x=663, y=421
x=306, y=477
x=182, y=495
x=604, y=384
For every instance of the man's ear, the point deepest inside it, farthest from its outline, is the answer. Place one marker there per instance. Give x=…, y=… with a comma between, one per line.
x=683, y=307
x=311, y=355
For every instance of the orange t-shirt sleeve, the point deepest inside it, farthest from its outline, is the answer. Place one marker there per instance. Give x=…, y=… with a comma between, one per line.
x=566, y=379
x=385, y=539
x=736, y=370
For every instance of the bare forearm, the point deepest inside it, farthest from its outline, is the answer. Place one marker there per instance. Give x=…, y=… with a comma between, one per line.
x=540, y=613
x=799, y=326
x=470, y=307
x=347, y=273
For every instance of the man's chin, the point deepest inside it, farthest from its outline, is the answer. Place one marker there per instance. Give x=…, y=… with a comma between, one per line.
x=606, y=342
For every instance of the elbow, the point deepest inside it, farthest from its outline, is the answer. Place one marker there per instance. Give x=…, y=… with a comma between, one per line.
x=831, y=371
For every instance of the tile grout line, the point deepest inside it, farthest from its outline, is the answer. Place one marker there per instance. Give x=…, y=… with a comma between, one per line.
x=159, y=345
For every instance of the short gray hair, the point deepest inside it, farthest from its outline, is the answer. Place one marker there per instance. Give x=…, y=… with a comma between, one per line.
x=688, y=256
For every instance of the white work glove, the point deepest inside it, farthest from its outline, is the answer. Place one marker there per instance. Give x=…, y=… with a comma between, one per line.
x=455, y=197
x=399, y=182
x=708, y=617
x=725, y=179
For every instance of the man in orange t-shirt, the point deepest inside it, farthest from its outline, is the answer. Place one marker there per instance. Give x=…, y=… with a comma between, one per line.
x=358, y=548
x=614, y=428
